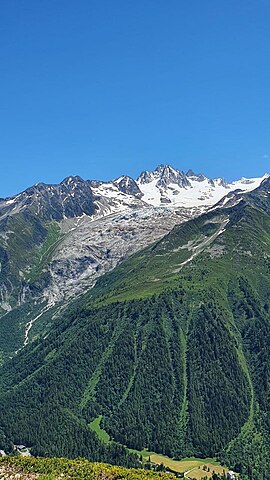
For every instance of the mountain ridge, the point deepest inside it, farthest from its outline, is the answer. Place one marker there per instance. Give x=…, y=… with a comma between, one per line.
x=165, y=175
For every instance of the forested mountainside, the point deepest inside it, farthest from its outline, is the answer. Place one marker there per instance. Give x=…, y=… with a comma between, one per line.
x=171, y=348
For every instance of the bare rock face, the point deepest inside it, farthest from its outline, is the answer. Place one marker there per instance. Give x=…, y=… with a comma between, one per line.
x=91, y=248
x=70, y=198
x=128, y=185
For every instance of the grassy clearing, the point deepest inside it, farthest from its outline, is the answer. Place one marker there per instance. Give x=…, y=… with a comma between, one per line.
x=192, y=464
x=95, y=427
x=206, y=470
x=186, y=464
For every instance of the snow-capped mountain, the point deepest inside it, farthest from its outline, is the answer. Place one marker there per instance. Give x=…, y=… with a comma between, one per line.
x=55, y=240
x=166, y=185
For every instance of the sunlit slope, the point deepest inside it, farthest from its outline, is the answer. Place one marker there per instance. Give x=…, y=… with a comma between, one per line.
x=171, y=349
x=216, y=245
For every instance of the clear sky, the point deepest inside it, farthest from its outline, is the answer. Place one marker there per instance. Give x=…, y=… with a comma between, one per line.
x=100, y=88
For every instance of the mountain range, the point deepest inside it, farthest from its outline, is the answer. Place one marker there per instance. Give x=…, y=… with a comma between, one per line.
x=64, y=236
x=143, y=304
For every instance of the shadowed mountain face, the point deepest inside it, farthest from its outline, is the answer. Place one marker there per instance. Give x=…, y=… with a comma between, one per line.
x=171, y=348
x=71, y=198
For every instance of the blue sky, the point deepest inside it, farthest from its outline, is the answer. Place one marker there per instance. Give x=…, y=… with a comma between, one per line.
x=100, y=87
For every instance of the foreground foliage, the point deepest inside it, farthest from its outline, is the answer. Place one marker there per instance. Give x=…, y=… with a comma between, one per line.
x=79, y=469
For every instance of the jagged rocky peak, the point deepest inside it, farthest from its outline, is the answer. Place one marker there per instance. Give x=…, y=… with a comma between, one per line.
x=145, y=177
x=190, y=173
x=41, y=188
x=75, y=186
x=75, y=196
x=71, y=198
x=220, y=182
x=73, y=180
x=36, y=189
x=127, y=185
x=169, y=175
x=164, y=175
x=199, y=177
x=166, y=170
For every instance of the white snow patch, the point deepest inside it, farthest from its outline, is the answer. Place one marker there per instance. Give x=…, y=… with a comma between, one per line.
x=203, y=193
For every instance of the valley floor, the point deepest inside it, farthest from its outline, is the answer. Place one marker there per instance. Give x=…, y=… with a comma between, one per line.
x=197, y=468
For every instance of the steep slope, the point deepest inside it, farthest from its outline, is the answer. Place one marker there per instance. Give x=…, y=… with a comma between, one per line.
x=31, y=229
x=38, y=225
x=171, y=348
x=56, y=240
